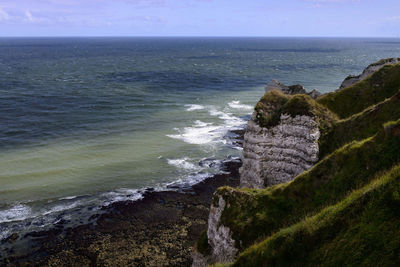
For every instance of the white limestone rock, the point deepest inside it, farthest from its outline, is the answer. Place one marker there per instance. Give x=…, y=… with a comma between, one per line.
x=199, y=260
x=223, y=248
x=219, y=236
x=278, y=154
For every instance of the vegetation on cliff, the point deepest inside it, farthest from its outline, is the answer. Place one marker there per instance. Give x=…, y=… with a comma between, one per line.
x=344, y=210
x=254, y=214
x=360, y=125
x=374, y=89
x=275, y=103
x=362, y=229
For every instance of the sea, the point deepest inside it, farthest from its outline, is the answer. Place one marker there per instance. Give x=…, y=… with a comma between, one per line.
x=85, y=122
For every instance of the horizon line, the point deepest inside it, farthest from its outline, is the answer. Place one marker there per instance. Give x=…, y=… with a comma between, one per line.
x=190, y=36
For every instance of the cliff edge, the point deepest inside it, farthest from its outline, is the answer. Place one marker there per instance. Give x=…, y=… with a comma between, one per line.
x=281, y=138
x=317, y=174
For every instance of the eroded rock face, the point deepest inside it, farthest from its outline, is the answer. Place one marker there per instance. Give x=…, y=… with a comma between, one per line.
x=219, y=236
x=350, y=80
x=223, y=248
x=278, y=154
x=199, y=260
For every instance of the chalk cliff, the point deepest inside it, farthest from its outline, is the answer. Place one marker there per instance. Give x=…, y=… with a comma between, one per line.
x=282, y=142
x=281, y=139
x=277, y=154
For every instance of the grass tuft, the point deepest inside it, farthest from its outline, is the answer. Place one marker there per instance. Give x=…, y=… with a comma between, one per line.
x=274, y=103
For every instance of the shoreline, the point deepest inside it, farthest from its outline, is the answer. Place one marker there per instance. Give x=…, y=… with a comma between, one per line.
x=159, y=229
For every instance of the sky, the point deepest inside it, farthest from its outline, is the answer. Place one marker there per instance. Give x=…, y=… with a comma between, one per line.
x=314, y=18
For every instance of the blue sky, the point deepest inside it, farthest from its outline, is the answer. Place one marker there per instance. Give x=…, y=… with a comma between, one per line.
x=348, y=18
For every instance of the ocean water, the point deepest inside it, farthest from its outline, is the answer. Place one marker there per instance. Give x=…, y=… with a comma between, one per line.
x=85, y=122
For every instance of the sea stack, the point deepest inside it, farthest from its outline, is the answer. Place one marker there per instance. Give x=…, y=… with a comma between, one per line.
x=281, y=138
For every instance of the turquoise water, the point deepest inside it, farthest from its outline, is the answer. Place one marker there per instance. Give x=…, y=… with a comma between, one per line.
x=88, y=121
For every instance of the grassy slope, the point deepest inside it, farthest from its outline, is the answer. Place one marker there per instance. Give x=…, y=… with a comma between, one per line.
x=334, y=238
x=253, y=214
x=353, y=99
x=360, y=125
x=361, y=230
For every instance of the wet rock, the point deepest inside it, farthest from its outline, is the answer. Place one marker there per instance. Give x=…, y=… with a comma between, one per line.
x=158, y=230
x=12, y=238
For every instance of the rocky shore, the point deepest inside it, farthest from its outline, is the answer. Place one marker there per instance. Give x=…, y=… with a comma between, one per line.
x=159, y=230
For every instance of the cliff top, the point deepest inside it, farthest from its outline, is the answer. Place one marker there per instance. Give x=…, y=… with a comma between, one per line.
x=275, y=103
x=382, y=84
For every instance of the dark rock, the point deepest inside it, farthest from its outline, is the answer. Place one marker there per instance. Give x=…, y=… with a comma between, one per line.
x=314, y=94
x=12, y=238
x=296, y=89
x=290, y=90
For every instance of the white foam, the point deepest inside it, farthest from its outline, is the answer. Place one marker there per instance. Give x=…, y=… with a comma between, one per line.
x=230, y=120
x=4, y=233
x=201, y=133
x=189, y=180
x=68, y=198
x=192, y=107
x=122, y=194
x=183, y=164
x=16, y=213
x=237, y=105
x=59, y=208
x=198, y=135
x=199, y=123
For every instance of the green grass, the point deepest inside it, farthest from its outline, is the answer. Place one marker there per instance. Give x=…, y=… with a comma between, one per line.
x=346, y=209
x=254, y=214
x=360, y=126
x=361, y=230
x=374, y=89
x=202, y=244
x=274, y=103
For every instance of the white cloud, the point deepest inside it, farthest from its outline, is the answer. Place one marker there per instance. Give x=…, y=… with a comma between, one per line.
x=394, y=18
x=29, y=16
x=4, y=15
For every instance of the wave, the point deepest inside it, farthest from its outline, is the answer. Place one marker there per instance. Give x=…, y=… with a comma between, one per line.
x=192, y=107
x=230, y=121
x=198, y=135
x=28, y=217
x=236, y=105
x=123, y=194
x=199, y=123
x=18, y=212
x=183, y=164
x=189, y=180
x=59, y=208
x=68, y=198
x=202, y=133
